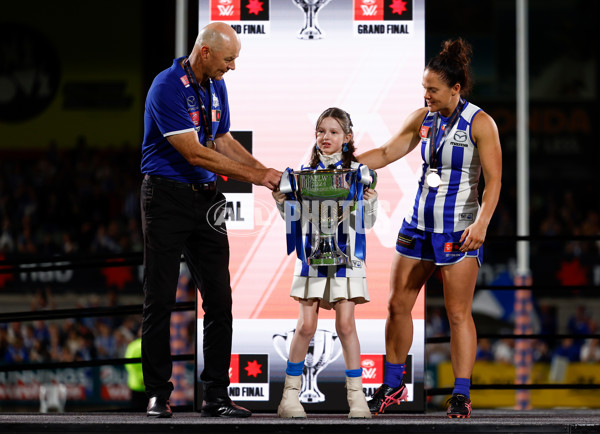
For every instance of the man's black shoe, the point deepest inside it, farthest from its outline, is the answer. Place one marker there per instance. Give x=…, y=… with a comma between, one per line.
x=223, y=407
x=159, y=407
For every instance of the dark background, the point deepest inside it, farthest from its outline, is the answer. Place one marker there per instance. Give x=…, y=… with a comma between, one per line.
x=73, y=79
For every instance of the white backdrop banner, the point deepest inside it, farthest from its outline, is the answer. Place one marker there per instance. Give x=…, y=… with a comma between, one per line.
x=298, y=58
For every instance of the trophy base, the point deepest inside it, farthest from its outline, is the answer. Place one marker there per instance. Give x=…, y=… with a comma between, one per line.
x=311, y=399
x=327, y=261
x=310, y=34
x=328, y=253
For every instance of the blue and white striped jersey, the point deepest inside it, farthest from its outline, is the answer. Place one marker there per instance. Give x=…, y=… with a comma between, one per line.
x=453, y=205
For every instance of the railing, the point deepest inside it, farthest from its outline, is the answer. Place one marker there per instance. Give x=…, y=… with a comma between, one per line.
x=12, y=266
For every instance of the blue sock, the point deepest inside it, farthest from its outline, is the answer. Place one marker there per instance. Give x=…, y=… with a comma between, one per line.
x=294, y=369
x=393, y=374
x=354, y=372
x=462, y=386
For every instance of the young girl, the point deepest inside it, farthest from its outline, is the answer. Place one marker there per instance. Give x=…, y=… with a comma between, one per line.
x=330, y=287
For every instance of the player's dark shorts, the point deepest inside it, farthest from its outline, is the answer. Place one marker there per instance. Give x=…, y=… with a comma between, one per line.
x=443, y=249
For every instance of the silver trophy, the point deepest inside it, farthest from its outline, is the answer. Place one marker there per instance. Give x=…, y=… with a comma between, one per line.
x=326, y=198
x=320, y=354
x=310, y=8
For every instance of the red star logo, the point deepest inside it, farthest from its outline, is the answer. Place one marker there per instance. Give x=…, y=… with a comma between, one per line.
x=253, y=369
x=398, y=7
x=254, y=7
x=117, y=276
x=4, y=277
x=572, y=273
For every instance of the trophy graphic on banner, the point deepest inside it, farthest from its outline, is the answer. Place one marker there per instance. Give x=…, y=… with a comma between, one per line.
x=320, y=354
x=310, y=8
x=325, y=198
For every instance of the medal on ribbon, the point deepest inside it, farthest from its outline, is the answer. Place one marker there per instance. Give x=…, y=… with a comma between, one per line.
x=209, y=142
x=433, y=178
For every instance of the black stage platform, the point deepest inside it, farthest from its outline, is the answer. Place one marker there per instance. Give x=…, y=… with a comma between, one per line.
x=483, y=421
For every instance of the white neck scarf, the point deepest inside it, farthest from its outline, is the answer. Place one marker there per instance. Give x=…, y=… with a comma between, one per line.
x=330, y=159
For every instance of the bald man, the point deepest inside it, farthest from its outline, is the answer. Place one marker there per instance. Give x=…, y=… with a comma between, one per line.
x=186, y=143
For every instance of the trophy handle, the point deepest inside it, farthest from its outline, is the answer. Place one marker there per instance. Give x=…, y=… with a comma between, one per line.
x=280, y=338
x=301, y=5
x=339, y=351
x=374, y=176
x=286, y=183
x=364, y=175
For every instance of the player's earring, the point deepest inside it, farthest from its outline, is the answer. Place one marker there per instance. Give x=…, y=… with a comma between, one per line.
x=345, y=148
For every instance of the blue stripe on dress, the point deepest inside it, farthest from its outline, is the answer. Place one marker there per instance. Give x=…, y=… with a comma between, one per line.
x=307, y=251
x=415, y=217
x=429, y=208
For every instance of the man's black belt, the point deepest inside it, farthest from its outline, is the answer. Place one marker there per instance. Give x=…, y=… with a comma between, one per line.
x=178, y=184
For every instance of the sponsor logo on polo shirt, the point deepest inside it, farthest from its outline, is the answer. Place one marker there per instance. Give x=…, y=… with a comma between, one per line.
x=195, y=116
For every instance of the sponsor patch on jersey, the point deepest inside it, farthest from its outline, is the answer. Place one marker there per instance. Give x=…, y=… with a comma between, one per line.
x=405, y=241
x=451, y=247
x=465, y=217
x=195, y=116
x=424, y=132
x=462, y=145
x=216, y=115
x=191, y=102
x=185, y=80
x=460, y=136
x=356, y=264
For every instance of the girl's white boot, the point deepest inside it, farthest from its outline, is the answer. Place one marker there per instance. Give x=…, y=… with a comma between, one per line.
x=356, y=399
x=290, y=406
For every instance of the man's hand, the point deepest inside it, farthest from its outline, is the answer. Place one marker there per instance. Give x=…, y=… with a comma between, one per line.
x=268, y=178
